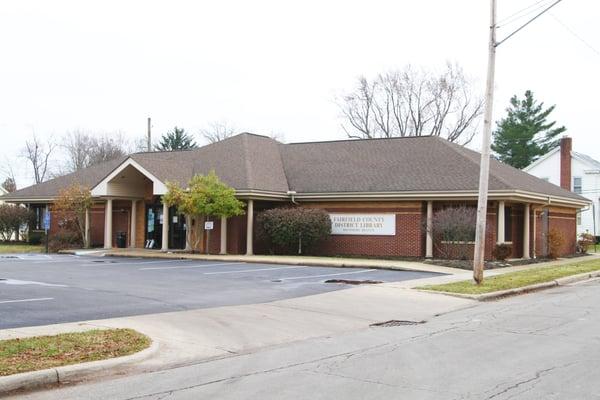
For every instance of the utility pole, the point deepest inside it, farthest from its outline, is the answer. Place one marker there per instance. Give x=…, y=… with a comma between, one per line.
x=149, y=134
x=484, y=173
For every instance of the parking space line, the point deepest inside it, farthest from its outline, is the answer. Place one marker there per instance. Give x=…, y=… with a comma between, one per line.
x=27, y=300
x=189, y=266
x=252, y=270
x=327, y=275
x=92, y=264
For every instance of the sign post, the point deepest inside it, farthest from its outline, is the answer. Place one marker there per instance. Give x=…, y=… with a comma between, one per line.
x=208, y=226
x=46, y=227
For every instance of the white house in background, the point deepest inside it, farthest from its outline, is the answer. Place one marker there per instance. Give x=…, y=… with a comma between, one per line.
x=576, y=172
x=2, y=193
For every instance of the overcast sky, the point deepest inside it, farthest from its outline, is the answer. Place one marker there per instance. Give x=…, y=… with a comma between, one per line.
x=269, y=66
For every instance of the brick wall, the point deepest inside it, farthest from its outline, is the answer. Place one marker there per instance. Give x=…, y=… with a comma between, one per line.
x=408, y=241
x=460, y=250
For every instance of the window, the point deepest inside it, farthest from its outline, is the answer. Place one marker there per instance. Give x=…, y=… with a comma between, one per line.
x=578, y=218
x=508, y=224
x=577, y=184
x=38, y=211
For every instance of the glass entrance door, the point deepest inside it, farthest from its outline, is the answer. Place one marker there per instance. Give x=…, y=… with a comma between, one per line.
x=154, y=221
x=154, y=224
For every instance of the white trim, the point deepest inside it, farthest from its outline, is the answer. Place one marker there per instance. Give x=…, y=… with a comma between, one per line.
x=542, y=159
x=101, y=189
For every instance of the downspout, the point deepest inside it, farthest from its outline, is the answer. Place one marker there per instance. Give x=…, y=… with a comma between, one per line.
x=533, y=210
x=292, y=193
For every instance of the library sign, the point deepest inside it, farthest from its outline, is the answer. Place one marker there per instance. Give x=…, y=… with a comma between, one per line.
x=363, y=224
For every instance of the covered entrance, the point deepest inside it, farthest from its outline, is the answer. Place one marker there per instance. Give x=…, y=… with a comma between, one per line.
x=154, y=228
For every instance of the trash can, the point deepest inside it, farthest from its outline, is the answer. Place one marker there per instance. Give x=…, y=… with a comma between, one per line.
x=121, y=239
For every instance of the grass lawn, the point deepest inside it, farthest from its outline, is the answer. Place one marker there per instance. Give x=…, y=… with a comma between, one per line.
x=41, y=352
x=513, y=280
x=8, y=248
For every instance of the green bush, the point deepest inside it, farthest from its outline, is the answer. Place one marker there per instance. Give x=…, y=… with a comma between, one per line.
x=12, y=219
x=502, y=251
x=35, y=238
x=293, y=230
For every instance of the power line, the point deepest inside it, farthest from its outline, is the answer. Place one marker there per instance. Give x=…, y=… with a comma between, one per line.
x=523, y=13
x=528, y=22
x=572, y=32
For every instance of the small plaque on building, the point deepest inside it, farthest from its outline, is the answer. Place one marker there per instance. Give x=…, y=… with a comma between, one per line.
x=363, y=224
x=208, y=225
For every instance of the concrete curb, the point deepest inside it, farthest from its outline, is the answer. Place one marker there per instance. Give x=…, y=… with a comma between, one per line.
x=522, y=290
x=36, y=379
x=360, y=263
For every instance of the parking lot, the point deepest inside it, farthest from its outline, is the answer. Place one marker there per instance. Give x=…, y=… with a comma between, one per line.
x=42, y=289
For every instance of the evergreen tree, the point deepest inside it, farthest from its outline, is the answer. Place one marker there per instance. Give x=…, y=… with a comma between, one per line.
x=524, y=134
x=177, y=139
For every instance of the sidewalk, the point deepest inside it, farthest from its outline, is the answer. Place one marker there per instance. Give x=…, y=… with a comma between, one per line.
x=287, y=260
x=467, y=275
x=191, y=336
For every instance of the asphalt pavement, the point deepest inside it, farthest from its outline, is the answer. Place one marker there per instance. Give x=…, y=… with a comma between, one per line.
x=539, y=346
x=41, y=290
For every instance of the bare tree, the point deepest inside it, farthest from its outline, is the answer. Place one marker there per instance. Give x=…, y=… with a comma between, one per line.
x=108, y=148
x=10, y=183
x=78, y=147
x=38, y=154
x=84, y=149
x=412, y=102
x=217, y=131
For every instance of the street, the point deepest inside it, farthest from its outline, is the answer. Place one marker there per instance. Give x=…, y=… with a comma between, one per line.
x=539, y=346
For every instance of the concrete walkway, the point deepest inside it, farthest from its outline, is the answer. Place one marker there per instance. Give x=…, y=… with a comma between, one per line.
x=196, y=335
x=287, y=260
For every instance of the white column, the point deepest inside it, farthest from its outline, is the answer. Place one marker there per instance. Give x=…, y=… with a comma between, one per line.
x=223, y=235
x=249, y=228
x=534, y=233
x=526, y=232
x=108, y=224
x=429, y=233
x=501, y=232
x=86, y=231
x=165, y=228
x=132, y=234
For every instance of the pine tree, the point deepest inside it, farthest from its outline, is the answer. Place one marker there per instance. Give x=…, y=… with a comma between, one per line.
x=177, y=139
x=524, y=134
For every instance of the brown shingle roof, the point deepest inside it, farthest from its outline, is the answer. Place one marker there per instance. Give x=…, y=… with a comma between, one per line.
x=254, y=162
x=86, y=177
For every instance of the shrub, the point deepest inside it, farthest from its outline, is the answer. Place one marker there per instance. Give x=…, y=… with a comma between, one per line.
x=585, y=241
x=293, y=230
x=556, y=240
x=64, y=240
x=452, y=229
x=502, y=251
x=12, y=218
x=35, y=238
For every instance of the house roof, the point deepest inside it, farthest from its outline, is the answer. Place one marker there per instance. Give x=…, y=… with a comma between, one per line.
x=586, y=159
x=250, y=162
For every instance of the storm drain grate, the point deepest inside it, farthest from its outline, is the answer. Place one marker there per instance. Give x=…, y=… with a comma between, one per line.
x=104, y=261
x=396, y=322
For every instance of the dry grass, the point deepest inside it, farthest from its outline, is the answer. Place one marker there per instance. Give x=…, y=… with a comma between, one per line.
x=41, y=352
x=518, y=279
x=9, y=248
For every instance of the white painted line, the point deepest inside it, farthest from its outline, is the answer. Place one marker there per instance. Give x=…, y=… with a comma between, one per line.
x=189, y=266
x=26, y=300
x=326, y=275
x=116, y=263
x=252, y=270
